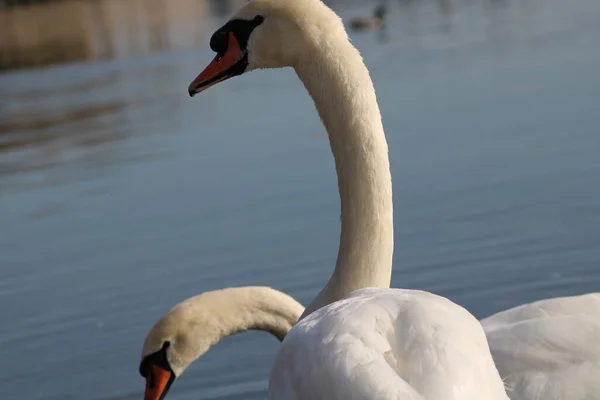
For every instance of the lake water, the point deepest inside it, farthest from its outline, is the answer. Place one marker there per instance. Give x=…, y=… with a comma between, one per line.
x=120, y=195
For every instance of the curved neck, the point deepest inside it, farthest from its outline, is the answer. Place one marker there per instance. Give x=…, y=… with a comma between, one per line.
x=239, y=309
x=339, y=84
x=202, y=321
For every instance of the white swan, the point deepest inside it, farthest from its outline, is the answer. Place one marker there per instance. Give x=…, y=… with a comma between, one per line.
x=190, y=328
x=386, y=344
x=376, y=343
x=549, y=349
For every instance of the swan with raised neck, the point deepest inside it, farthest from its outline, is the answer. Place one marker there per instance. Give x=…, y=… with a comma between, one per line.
x=307, y=36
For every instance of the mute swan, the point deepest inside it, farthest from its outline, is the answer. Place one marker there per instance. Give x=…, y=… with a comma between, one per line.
x=375, y=343
x=194, y=325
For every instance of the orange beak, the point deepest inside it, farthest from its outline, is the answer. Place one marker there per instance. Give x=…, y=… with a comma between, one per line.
x=224, y=66
x=158, y=382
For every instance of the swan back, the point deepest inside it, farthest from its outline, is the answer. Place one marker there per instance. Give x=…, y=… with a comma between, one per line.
x=549, y=349
x=387, y=344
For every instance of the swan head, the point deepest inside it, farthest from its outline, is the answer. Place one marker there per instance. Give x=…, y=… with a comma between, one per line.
x=268, y=34
x=173, y=343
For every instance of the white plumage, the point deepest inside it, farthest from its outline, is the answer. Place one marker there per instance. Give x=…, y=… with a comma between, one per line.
x=549, y=349
x=386, y=344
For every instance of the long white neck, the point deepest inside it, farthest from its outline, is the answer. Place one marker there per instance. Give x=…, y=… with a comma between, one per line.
x=339, y=83
x=239, y=309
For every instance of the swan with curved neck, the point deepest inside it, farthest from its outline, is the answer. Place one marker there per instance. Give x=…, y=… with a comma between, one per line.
x=190, y=328
x=375, y=343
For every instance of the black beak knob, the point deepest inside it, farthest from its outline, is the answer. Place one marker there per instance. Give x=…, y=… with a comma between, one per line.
x=219, y=41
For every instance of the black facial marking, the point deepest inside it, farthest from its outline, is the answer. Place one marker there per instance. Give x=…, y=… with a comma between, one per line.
x=240, y=28
x=159, y=359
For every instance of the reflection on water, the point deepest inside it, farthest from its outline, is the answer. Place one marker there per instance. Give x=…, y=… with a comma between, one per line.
x=120, y=196
x=24, y=122
x=74, y=117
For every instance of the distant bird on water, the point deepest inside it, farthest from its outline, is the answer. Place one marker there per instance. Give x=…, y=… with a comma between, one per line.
x=377, y=21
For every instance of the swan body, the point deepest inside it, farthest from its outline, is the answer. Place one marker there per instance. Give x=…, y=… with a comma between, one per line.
x=408, y=337
x=548, y=349
x=386, y=344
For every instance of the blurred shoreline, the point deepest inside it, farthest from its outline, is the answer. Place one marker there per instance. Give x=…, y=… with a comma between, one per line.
x=53, y=32
x=40, y=33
